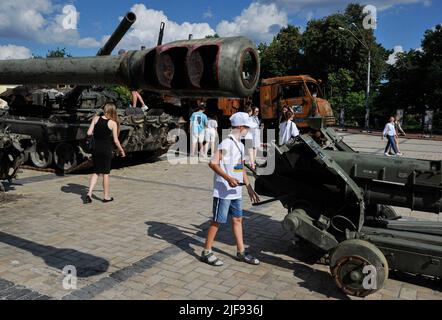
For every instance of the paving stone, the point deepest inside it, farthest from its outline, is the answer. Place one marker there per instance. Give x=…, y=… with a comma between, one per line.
x=147, y=244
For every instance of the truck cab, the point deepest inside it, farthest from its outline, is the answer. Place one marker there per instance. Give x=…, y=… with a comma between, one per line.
x=302, y=93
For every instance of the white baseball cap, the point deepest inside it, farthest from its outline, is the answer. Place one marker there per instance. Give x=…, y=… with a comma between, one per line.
x=242, y=119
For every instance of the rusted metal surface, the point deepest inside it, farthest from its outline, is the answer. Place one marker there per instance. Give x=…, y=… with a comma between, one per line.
x=273, y=99
x=229, y=106
x=203, y=68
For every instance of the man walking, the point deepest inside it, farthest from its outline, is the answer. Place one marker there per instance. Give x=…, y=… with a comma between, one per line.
x=391, y=135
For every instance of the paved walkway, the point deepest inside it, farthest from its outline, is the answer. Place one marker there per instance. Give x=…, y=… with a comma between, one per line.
x=146, y=244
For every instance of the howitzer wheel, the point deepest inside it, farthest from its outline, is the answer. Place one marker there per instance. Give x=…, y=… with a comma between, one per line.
x=348, y=261
x=42, y=156
x=65, y=156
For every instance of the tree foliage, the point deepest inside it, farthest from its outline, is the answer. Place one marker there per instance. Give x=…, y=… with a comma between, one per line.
x=342, y=96
x=124, y=93
x=327, y=52
x=415, y=80
x=283, y=56
x=58, y=53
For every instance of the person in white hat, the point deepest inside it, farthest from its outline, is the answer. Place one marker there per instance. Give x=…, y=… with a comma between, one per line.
x=230, y=176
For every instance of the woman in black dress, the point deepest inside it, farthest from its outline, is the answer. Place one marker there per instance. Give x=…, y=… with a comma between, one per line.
x=105, y=130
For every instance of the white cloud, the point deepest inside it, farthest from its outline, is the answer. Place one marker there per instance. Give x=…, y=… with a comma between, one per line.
x=393, y=57
x=260, y=22
x=145, y=30
x=324, y=7
x=14, y=52
x=40, y=21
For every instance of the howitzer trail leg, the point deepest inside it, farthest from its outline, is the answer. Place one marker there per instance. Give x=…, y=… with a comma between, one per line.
x=332, y=166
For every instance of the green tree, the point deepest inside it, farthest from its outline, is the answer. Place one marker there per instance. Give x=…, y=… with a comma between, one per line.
x=124, y=93
x=283, y=56
x=327, y=48
x=58, y=53
x=432, y=64
x=326, y=52
x=415, y=80
x=340, y=86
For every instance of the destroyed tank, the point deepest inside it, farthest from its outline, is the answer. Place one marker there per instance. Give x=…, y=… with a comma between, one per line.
x=58, y=117
x=59, y=125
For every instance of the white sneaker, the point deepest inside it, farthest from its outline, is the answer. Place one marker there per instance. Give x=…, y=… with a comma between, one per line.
x=386, y=154
x=400, y=154
x=145, y=108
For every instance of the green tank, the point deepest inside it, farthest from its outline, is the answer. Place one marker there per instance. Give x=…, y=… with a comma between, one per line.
x=58, y=117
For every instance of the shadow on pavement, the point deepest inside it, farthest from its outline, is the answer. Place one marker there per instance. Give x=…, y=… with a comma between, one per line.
x=78, y=189
x=174, y=234
x=266, y=239
x=87, y=265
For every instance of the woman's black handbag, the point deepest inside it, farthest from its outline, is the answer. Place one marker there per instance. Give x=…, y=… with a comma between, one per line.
x=90, y=144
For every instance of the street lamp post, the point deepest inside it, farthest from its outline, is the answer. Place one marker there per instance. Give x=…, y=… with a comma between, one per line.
x=367, y=107
x=367, y=98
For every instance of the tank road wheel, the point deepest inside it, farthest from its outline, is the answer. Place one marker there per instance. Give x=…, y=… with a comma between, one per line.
x=42, y=156
x=65, y=156
x=347, y=264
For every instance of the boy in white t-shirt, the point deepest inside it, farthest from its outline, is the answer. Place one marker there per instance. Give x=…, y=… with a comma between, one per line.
x=230, y=176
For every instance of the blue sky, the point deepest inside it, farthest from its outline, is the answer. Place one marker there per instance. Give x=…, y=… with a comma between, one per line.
x=34, y=26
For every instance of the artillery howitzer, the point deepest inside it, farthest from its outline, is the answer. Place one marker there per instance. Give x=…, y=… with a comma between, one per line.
x=58, y=121
x=339, y=201
x=14, y=149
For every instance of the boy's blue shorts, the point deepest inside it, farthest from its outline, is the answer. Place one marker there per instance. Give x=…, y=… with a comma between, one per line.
x=222, y=208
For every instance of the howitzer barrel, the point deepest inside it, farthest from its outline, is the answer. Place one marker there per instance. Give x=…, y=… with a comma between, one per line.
x=402, y=182
x=226, y=67
x=125, y=24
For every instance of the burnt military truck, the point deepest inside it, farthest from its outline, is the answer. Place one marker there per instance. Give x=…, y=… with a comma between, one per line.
x=58, y=119
x=302, y=93
x=353, y=225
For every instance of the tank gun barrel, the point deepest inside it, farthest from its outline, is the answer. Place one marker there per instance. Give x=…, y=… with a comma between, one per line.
x=125, y=24
x=226, y=67
x=161, y=34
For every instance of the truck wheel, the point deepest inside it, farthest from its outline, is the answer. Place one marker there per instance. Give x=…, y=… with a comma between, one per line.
x=358, y=267
x=42, y=156
x=65, y=156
